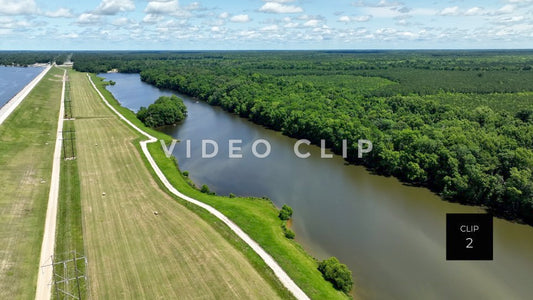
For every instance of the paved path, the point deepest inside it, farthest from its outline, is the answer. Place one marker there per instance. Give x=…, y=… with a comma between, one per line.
x=44, y=279
x=278, y=271
x=10, y=106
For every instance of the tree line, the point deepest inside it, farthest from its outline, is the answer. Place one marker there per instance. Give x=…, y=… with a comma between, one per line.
x=400, y=101
x=26, y=58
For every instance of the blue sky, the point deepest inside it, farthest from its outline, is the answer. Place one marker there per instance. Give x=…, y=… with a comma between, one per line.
x=264, y=24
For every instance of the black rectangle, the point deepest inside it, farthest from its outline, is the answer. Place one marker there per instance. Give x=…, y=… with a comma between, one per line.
x=469, y=237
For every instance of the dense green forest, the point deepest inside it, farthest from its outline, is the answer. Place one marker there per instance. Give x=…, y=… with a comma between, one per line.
x=458, y=122
x=25, y=58
x=164, y=111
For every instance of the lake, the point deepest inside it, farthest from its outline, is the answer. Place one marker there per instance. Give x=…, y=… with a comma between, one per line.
x=14, y=79
x=390, y=235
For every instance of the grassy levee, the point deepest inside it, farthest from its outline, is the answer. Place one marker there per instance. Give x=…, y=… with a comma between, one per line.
x=257, y=217
x=27, y=140
x=140, y=243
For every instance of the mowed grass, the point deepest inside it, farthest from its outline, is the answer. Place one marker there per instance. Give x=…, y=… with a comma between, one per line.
x=257, y=217
x=132, y=252
x=27, y=140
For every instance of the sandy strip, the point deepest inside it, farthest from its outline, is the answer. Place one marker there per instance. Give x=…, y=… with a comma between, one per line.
x=44, y=279
x=10, y=106
x=278, y=271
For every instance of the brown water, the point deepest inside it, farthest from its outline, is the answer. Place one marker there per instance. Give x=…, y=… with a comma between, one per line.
x=390, y=235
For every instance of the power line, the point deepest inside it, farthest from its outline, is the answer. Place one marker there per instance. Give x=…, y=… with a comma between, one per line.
x=67, y=271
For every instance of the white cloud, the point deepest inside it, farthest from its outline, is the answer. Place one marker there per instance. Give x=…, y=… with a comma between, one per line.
x=508, y=20
x=9, y=23
x=6, y=31
x=224, y=15
x=194, y=6
x=310, y=17
x=60, y=13
x=121, y=21
x=17, y=7
x=382, y=3
x=88, y=18
x=248, y=34
x=270, y=28
x=517, y=30
x=475, y=11
x=422, y=12
x=152, y=18
x=5, y=20
x=69, y=36
x=381, y=12
x=450, y=11
x=161, y=7
x=312, y=23
x=362, y=18
x=280, y=1
x=388, y=34
x=289, y=23
x=403, y=22
x=165, y=7
x=240, y=19
x=278, y=8
x=347, y=19
x=521, y=2
x=506, y=9
x=112, y=7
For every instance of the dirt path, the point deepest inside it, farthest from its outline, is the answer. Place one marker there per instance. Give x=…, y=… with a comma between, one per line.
x=44, y=279
x=278, y=271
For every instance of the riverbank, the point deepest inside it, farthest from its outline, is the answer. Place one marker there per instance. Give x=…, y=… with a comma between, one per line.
x=12, y=104
x=257, y=217
x=138, y=241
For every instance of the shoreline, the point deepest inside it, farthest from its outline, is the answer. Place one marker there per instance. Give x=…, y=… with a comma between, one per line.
x=13, y=103
x=281, y=275
x=171, y=170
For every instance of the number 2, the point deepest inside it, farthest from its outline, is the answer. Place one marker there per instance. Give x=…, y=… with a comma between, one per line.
x=469, y=245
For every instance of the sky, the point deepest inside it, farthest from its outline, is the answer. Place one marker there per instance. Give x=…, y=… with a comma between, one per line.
x=264, y=24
